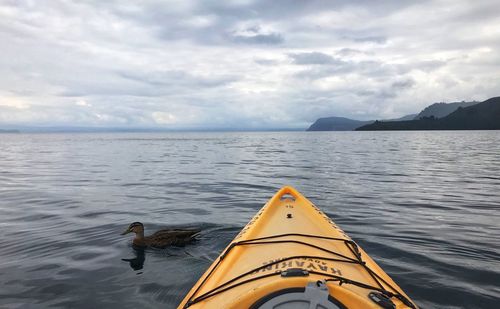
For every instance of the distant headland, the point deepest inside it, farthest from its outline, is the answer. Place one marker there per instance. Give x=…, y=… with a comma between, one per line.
x=346, y=124
x=8, y=131
x=480, y=116
x=438, y=116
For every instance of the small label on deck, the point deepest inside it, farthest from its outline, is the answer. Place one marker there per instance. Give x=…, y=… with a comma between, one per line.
x=310, y=264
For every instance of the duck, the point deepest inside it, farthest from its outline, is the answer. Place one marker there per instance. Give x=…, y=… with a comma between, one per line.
x=162, y=238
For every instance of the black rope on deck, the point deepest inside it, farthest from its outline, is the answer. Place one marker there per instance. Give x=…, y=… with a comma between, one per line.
x=351, y=245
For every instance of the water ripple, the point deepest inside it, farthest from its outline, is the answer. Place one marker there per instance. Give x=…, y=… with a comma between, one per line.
x=424, y=205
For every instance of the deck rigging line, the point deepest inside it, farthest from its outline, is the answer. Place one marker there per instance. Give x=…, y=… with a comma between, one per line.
x=351, y=245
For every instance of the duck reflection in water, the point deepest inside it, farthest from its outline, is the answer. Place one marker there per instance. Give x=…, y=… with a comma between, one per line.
x=137, y=263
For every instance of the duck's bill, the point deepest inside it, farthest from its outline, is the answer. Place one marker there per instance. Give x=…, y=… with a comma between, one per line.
x=126, y=232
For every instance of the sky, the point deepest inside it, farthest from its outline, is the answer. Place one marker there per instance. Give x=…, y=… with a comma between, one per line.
x=241, y=64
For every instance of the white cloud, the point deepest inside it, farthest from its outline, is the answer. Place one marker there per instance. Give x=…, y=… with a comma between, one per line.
x=222, y=64
x=164, y=118
x=13, y=102
x=83, y=103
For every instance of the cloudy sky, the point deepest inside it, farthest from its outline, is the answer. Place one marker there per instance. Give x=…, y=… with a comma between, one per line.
x=244, y=64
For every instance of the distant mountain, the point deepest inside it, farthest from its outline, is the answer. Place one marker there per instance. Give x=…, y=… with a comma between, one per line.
x=67, y=129
x=436, y=110
x=345, y=124
x=407, y=117
x=336, y=124
x=480, y=116
x=70, y=129
x=440, y=110
x=8, y=131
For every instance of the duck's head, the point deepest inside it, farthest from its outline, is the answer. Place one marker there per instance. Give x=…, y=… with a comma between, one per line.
x=136, y=227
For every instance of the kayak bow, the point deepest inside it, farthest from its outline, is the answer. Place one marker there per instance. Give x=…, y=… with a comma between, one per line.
x=291, y=255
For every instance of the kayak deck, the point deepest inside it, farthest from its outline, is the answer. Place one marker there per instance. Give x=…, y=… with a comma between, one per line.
x=289, y=244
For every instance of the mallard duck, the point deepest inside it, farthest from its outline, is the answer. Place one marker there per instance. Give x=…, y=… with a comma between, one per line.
x=162, y=238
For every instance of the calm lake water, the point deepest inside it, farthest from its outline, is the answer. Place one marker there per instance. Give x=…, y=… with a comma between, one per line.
x=424, y=205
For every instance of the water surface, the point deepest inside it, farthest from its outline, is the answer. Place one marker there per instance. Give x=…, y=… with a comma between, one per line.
x=424, y=205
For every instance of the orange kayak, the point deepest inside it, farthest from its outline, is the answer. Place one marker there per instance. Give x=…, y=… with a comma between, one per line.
x=291, y=255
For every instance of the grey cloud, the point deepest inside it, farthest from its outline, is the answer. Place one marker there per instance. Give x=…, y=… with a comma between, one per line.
x=386, y=94
x=236, y=63
x=287, y=9
x=255, y=35
x=267, y=39
x=480, y=11
x=173, y=24
x=314, y=58
x=169, y=23
x=429, y=65
x=267, y=62
x=335, y=67
x=365, y=93
x=395, y=89
x=403, y=84
x=330, y=66
x=321, y=72
x=350, y=52
x=146, y=84
x=177, y=78
x=371, y=39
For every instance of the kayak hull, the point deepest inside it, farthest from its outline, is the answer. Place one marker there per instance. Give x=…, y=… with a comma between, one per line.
x=290, y=244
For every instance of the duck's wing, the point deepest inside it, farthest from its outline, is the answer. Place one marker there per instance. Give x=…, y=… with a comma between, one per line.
x=176, y=234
